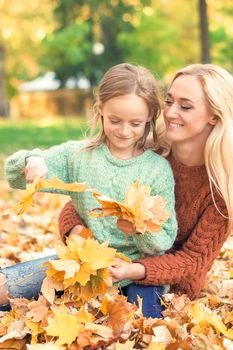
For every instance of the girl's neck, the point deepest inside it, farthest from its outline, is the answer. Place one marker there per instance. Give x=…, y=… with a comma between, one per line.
x=187, y=154
x=125, y=154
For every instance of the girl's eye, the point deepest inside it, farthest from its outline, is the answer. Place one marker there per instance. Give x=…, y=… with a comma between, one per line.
x=114, y=121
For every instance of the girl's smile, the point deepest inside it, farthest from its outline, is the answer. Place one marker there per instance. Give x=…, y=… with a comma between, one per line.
x=124, y=122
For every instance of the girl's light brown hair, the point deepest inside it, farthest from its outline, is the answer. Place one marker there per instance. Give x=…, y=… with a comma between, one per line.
x=124, y=79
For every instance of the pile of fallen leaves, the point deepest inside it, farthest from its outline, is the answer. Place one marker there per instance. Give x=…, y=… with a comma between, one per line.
x=92, y=315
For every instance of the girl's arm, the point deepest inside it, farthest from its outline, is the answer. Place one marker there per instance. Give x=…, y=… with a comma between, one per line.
x=56, y=159
x=156, y=243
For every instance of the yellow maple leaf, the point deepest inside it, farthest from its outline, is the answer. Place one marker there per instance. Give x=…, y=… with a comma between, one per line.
x=103, y=255
x=201, y=313
x=64, y=325
x=68, y=266
x=31, y=189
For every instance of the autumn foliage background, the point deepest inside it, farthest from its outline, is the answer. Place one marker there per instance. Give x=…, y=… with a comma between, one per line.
x=99, y=322
x=84, y=38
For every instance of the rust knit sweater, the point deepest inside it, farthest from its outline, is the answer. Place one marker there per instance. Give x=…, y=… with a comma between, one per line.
x=202, y=230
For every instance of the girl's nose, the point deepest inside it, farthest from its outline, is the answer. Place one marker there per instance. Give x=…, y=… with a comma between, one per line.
x=124, y=130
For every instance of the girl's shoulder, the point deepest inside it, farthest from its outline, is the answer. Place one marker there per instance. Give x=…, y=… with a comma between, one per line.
x=156, y=158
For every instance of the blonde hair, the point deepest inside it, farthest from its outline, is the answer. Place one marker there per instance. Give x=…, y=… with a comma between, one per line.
x=217, y=85
x=120, y=80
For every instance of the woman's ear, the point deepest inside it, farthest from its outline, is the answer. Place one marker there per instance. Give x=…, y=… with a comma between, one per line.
x=100, y=108
x=213, y=119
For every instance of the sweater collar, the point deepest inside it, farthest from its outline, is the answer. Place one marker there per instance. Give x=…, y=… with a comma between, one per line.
x=196, y=170
x=123, y=162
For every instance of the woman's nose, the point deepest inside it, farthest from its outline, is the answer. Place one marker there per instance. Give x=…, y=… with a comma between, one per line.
x=171, y=111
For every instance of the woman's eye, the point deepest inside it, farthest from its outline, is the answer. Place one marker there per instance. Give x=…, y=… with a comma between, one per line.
x=168, y=102
x=135, y=124
x=185, y=107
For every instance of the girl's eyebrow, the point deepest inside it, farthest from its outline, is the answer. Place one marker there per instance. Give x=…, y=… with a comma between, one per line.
x=185, y=99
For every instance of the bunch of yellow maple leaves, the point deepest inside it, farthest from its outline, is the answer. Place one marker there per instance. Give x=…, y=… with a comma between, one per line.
x=89, y=313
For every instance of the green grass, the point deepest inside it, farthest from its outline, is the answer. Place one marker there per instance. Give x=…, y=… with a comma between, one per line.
x=43, y=133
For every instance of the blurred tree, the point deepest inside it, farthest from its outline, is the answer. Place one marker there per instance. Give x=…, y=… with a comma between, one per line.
x=3, y=100
x=221, y=32
x=86, y=39
x=22, y=26
x=204, y=32
x=164, y=38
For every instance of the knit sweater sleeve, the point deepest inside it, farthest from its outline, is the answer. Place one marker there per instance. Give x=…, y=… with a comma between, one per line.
x=68, y=218
x=56, y=158
x=156, y=243
x=195, y=256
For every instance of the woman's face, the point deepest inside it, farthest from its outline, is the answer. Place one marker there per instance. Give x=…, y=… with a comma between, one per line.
x=186, y=114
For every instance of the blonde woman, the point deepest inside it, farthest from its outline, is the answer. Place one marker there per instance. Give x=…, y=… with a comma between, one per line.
x=198, y=116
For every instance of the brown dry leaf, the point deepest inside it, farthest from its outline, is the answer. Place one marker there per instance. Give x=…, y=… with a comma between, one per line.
x=47, y=346
x=145, y=212
x=48, y=288
x=16, y=330
x=28, y=195
x=161, y=335
x=38, y=310
x=103, y=331
x=13, y=344
x=156, y=346
x=128, y=345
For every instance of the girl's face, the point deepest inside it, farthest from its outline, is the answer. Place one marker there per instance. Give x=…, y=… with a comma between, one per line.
x=124, y=121
x=186, y=114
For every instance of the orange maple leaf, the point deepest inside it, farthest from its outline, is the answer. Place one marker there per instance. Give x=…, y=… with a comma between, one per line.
x=145, y=212
x=119, y=311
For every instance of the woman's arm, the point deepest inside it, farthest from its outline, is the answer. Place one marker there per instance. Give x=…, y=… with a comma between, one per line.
x=68, y=220
x=186, y=267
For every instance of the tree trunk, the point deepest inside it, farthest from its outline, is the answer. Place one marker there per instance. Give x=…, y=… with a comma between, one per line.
x=204, y=32
x=3, y=100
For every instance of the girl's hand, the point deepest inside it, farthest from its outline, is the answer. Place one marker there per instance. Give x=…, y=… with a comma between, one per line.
x=125, y=226
x=35, y=168
x=124, y=270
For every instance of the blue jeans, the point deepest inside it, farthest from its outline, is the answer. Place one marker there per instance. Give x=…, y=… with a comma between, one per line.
x=151, y=296
x=24, y=280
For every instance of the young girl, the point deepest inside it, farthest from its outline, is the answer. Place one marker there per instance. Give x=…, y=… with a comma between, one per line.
x=127, y=105
x=198, y=117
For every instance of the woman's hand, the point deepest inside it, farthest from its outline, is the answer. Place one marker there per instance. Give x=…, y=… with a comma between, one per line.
x=124, y=270
x=125, y=226
x=75, y=230
x=35, y=168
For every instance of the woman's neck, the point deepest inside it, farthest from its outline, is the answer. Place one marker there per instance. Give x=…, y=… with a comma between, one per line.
x=187, y=154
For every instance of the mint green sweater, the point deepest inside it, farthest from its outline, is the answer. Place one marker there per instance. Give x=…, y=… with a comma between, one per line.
x=111, y=176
